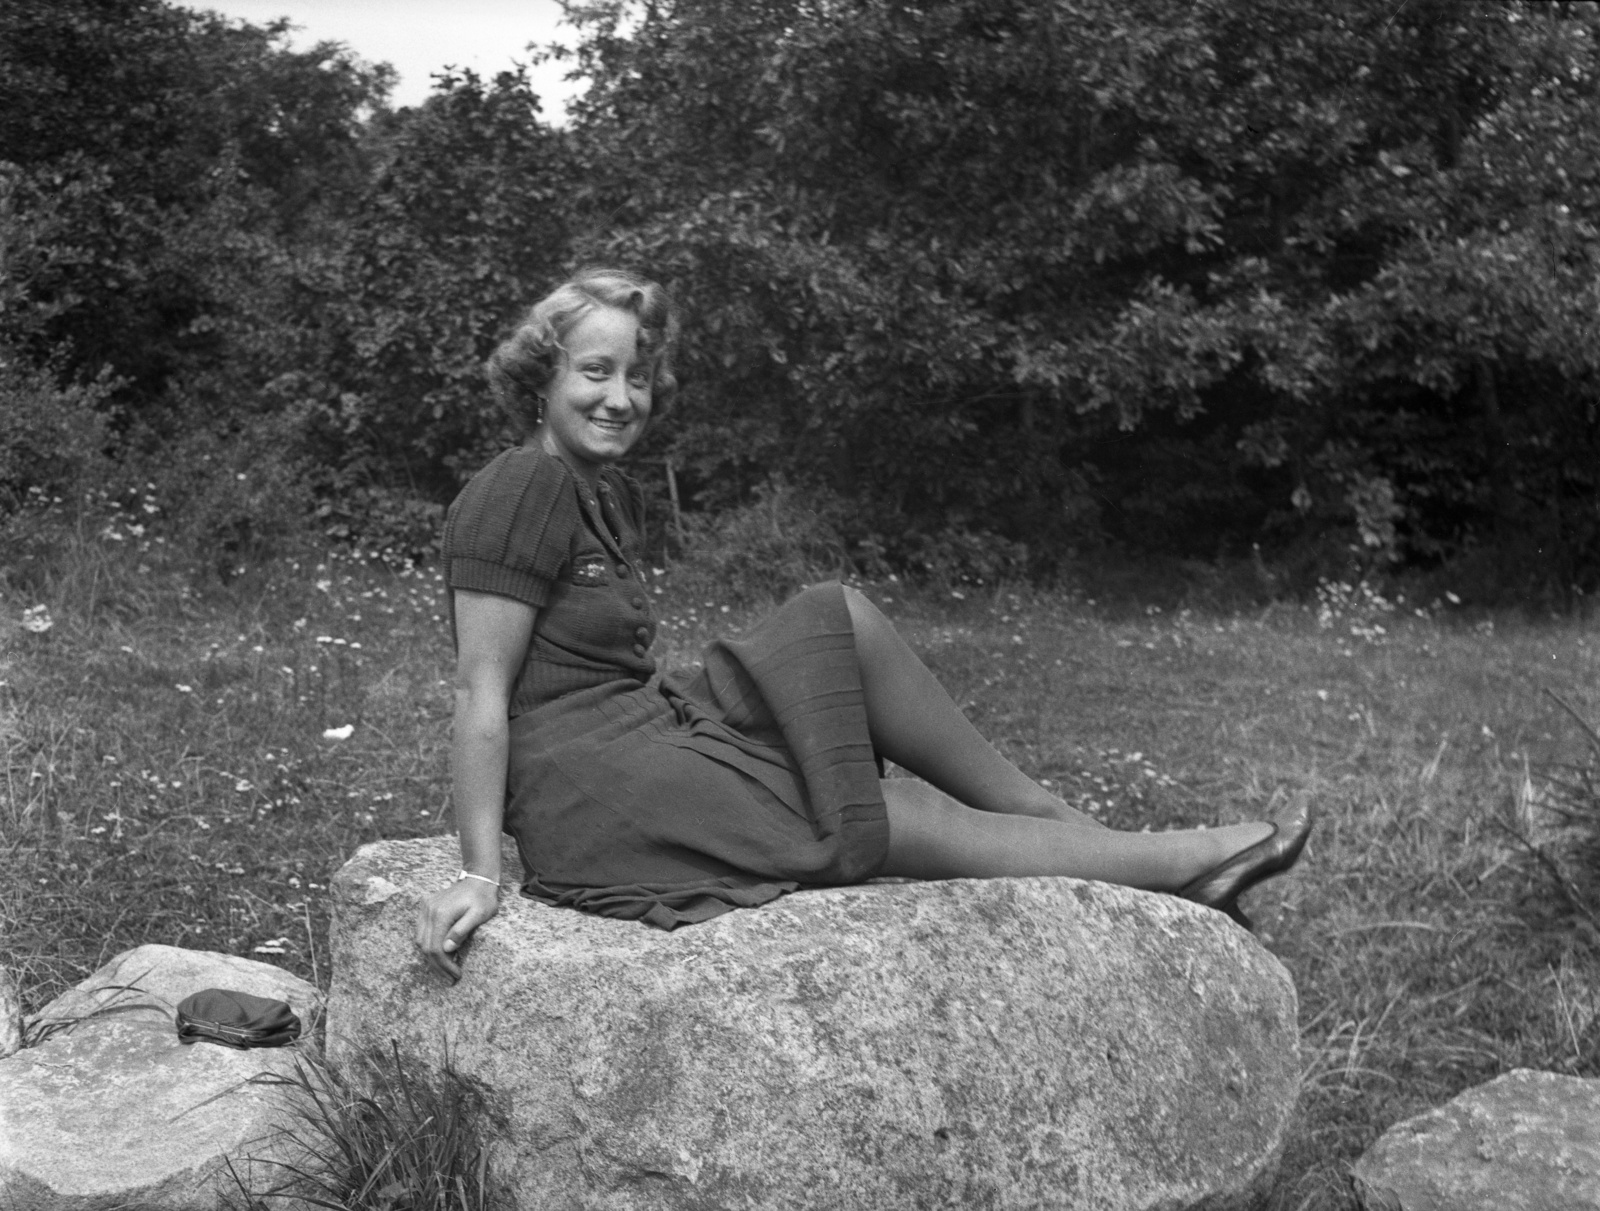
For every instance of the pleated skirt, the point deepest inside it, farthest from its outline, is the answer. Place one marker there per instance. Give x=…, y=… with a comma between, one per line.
x=676, y=802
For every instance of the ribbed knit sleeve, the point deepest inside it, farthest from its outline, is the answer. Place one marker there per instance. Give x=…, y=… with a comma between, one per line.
x=510, y=530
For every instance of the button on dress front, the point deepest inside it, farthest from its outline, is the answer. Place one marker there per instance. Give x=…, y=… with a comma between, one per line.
x=671, y=799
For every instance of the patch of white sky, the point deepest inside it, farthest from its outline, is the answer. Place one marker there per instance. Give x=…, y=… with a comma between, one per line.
x=420, y=38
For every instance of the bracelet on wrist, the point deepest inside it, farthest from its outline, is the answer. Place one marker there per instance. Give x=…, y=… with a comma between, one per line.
x=467, y=874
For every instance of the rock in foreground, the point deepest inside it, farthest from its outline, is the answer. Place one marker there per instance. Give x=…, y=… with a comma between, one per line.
x=1526, y=1141
x=973, y=1043
x=111, y=1111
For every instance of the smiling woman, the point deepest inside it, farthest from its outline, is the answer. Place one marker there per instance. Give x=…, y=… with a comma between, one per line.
x=672, y=800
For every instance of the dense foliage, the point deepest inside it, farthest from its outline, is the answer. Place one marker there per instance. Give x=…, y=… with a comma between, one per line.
x=1316, y=279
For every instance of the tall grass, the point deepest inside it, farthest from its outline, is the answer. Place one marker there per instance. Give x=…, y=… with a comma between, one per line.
x=386, y=1137
x=167, y=779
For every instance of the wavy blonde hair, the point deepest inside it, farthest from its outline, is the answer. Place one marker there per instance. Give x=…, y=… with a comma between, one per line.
x=520, y=370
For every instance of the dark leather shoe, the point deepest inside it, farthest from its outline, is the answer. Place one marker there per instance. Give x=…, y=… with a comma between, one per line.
x=1221, y=887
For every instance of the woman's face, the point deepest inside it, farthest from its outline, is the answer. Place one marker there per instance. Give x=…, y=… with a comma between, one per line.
x=599, y=398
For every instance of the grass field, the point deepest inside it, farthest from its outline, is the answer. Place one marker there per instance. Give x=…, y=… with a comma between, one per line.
x=189, y=765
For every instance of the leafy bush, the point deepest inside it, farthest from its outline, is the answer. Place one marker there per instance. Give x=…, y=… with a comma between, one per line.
x=790, y=536
x=763, y=551
x=954, y=554
x=1184, y=276
x=230, y=496
x=950, y=263
x=382, y=523
x=51, y=437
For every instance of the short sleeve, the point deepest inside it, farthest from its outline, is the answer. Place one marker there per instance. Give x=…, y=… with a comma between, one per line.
x=510, y=530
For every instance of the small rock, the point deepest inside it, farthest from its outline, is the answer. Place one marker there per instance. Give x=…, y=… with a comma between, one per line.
x=940, y=1045
x=1526, y=1141
x=109, y=1109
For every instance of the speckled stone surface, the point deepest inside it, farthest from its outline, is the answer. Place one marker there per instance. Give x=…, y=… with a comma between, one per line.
x=973, y=1043
x=1526, y=1141
x=114, y=1112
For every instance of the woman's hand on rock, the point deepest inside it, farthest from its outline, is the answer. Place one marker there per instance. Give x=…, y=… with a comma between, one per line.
x=448, y=917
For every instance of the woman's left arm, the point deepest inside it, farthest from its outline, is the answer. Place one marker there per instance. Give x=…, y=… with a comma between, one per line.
x=492, y=641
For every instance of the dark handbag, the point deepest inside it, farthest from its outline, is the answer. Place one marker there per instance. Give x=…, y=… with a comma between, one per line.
x=236, y=1019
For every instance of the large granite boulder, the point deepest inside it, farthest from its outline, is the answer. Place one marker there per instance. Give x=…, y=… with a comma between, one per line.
x=1004, y=1043
x=111, y=1111
x=1526, y=1141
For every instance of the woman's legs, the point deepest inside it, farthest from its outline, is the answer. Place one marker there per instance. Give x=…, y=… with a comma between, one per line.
x=991, y=819
x=917, y=725
x=931, y=836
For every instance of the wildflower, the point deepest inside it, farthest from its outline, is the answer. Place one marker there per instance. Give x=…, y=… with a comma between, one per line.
x=37, y=619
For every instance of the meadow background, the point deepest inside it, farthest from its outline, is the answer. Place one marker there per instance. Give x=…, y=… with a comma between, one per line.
x=189, y=763
x=1209, y=388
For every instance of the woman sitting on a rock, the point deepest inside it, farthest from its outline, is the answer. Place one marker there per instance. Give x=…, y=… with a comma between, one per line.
x=672, y=800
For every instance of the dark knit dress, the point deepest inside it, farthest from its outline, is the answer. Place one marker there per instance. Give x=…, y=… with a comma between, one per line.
x=672, y=800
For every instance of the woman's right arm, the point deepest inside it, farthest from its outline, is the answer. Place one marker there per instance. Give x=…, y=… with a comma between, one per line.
x=492, y=635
